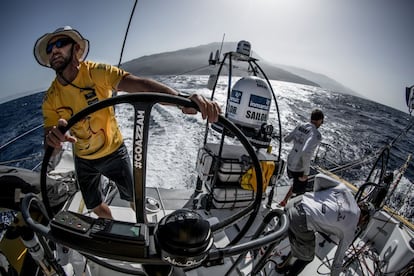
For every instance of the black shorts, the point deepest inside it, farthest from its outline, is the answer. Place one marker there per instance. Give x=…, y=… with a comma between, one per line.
x=116, y=166
x=298, y=187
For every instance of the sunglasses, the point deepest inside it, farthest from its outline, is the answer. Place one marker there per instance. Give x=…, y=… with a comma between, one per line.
x=59, y=44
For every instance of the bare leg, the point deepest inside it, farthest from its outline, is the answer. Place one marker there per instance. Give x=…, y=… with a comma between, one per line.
x=103, y=211
x=287, y=196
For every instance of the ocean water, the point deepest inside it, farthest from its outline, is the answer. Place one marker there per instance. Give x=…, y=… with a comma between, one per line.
x=354, y=128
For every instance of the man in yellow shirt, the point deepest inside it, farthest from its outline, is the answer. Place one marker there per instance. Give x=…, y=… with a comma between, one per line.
x=98, y=142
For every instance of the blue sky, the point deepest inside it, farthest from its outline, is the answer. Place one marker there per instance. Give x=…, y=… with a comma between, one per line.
x=367, y=45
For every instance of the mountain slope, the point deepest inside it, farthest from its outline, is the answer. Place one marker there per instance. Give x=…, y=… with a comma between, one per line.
x=194, y=61
x=324, y=81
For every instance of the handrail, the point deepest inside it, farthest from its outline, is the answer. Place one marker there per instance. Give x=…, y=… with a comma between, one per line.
x=20, y=136
x=15, y=160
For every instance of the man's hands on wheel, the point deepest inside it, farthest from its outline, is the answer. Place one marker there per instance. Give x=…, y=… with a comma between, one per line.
x=209, y=109
x=55, y=137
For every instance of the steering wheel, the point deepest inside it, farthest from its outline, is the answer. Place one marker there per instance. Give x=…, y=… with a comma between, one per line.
x=142, y=103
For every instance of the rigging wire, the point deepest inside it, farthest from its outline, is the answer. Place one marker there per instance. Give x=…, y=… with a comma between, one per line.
x=405, y=131
x=126, y=32
x=365, y=249
x=401, y=173
x=221, y=46
x=193, y=70
x=114, y=92
x=367, y=159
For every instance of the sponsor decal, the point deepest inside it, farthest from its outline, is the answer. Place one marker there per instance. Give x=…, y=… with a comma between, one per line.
x=256, y=116
x=232, y=109
x=139, y=129
x=236, y=96
x=90, y=95
x=6, y=219
x=261, y=84
x=304, y=130
x=259, y=102
x=187, y=263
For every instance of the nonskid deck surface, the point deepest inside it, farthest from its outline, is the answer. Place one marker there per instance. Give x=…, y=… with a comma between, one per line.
x=384, y=240
x=173, y=199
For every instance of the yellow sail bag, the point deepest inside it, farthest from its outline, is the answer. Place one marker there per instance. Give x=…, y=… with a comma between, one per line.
x=248, y=180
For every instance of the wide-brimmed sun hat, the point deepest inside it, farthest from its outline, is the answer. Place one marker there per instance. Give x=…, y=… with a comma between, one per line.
x=41, y=44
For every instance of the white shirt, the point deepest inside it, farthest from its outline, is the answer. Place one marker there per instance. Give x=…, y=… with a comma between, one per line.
x=306, y=138
x=333, y=211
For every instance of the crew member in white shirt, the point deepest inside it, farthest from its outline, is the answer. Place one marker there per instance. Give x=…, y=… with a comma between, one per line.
x=330, y=209
x=306, y=137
